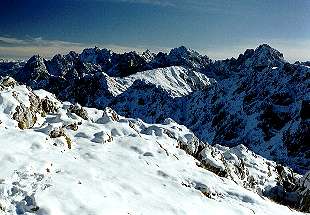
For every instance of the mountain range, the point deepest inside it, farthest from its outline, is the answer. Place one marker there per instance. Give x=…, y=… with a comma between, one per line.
x=244, y=120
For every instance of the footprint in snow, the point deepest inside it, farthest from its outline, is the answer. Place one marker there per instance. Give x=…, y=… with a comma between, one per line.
x=102, y=137
x=19, y=195
x=148, y=154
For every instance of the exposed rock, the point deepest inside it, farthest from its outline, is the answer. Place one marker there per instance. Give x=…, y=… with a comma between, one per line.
x=8, y=82
x=73, y=126
x=60, y=132
x=48, y=106
x=57, y=132
x=34, y=72
x=148, y=56
x=304, y=191
x=27, y=116
x=265, y=56
x=78, y=110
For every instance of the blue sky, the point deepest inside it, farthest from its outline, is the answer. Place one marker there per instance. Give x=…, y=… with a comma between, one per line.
x=218, y=28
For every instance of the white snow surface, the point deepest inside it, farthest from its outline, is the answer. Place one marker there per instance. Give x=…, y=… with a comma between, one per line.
x=115, y=166
x=176, y=80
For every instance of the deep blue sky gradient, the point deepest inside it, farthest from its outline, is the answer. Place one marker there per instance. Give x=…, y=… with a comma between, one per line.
x=213, y=25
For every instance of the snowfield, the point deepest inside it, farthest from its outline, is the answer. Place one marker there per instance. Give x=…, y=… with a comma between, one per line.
x=98, y=163
x=175, y=80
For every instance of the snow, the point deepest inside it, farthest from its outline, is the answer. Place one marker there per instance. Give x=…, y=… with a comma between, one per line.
x=177, y=81
x=116, y=166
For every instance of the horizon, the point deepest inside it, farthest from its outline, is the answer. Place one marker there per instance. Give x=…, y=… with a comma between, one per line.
x=122, y=51
x=219, y=29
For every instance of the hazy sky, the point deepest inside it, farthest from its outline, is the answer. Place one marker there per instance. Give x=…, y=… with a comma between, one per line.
x=218, y=28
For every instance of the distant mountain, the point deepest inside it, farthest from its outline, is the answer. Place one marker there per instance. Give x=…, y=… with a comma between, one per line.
x=10, y=67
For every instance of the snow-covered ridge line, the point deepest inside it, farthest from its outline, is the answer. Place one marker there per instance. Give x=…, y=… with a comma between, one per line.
x=177, y=81
x=97, y=161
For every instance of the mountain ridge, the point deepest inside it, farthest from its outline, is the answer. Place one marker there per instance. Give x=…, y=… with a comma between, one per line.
x=258, y=99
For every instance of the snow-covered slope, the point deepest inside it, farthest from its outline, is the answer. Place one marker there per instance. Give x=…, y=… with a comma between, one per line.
x=175, y=80
x=57, y=159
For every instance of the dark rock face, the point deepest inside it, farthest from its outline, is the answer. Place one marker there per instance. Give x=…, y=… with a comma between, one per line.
x=128, y=63
x=271, y=120
x=34, y=72
x=10, y=68
x=304, y=192
x=297, y=139
x=305, y=110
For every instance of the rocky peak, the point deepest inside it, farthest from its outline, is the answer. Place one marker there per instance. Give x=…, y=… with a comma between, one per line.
x=189, y=58
x=102, y=57
x=60, y=65
x=72, y=55
x=263, y=56
x=89, y=55
x=35, y=60
x=127, y=64
x=182, y=52
x=267, y=51
x=34, y=69
x=306, y=63
x=147, y=55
